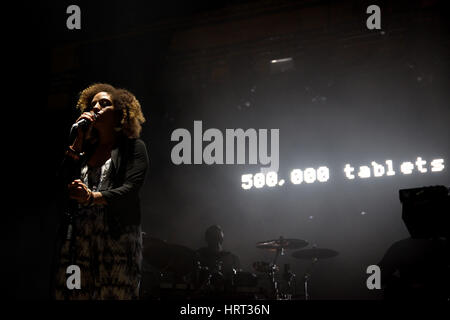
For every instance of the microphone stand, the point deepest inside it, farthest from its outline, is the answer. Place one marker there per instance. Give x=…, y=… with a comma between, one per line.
x=71, y=208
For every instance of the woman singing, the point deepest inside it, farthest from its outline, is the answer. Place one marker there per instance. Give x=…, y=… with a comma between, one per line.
x=102, y=173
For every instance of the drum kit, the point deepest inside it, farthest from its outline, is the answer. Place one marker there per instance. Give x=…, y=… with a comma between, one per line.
x=181, y=275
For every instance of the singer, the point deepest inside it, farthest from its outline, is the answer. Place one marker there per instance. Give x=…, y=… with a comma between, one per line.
x=101, y=175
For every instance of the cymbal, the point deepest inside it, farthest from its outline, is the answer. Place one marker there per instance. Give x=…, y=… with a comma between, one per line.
x=168, y=257
x=282, y=244
x=318, y=253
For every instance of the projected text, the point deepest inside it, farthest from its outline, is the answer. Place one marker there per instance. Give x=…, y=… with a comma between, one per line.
x=350, y=172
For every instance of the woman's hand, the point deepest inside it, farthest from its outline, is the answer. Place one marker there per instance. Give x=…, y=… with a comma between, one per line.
x=77, y=145
x=90, y=117
x=80, y=192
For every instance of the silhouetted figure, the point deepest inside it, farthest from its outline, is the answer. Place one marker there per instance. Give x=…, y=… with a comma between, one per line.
x=213, y=256
x=416, y=269
x=419, y=267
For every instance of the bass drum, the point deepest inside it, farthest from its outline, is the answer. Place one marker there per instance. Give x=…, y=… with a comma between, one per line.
x=247, y=286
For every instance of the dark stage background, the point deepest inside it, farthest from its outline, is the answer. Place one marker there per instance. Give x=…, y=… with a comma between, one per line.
x=353, y=96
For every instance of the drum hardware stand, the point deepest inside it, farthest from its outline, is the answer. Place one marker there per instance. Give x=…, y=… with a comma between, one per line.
x=315, y=254
x=199, y=284
x=306, y=277
x=289, y=276
x=273, y=269
x=280, y=245
x=207, y=283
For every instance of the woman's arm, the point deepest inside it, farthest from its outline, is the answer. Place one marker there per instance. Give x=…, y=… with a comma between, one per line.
x=135, y=174
x=71, y=165
x=120, y=196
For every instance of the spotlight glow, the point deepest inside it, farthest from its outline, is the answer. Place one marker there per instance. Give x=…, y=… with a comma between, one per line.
x=281, y=60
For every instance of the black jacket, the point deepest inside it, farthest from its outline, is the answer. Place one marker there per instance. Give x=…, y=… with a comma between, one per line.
x=129, y=168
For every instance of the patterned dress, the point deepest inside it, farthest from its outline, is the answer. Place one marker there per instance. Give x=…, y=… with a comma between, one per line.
x=110, y=267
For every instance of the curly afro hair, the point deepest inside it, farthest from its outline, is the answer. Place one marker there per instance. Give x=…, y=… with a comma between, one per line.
x=123, y=100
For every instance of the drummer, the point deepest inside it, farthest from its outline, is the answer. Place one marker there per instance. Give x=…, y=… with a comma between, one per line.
x=214, y=257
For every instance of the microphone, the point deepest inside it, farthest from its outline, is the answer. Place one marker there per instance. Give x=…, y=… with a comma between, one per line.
x=83, y=123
